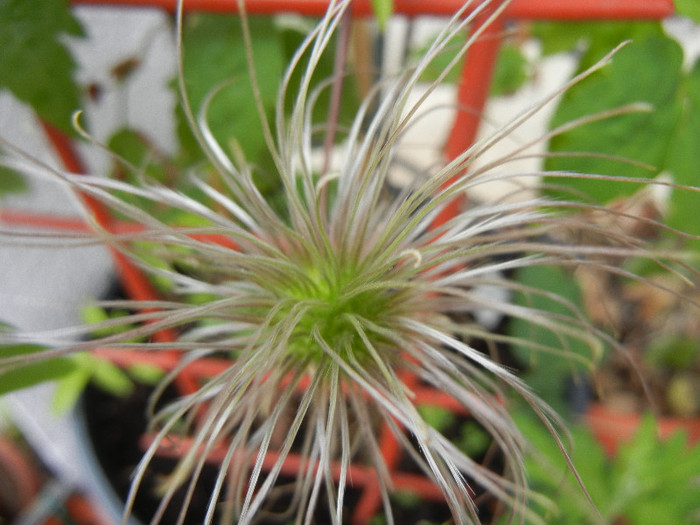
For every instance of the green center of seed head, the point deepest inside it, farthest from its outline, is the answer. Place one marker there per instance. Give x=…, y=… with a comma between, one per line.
x=331, y=301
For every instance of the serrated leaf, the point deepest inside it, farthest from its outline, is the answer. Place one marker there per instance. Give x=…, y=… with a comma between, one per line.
x=648, y=70
x=36, y=66
x=550, y=475
x=214, y=57
x=649, y=482
x=592, y=38
x=655, y=479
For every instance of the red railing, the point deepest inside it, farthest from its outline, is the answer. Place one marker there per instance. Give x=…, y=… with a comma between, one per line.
x=522, y=9
x=471, y=98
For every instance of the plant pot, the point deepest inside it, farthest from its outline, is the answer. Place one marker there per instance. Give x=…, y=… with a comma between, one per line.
x=19, y=479
x=612, y=428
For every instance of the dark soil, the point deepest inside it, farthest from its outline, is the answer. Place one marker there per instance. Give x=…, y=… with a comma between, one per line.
x=115, y=425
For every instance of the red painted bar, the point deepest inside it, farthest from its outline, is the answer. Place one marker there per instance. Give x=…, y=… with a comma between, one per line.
x=43, y=221
x=135, y=283
x=370, y=502
x=205, y=368
x=472, y=94
x=358, y=475
x=540, y=9
x=473, y=89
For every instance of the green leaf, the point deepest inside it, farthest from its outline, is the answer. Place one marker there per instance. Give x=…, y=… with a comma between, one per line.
x=593, y=39
x=69, y=389
x=36, y=67
x=511, y=70
x=110, y=377
x=88, y=368
x=681, y=161
x=214, y=57
x=649, y=482
x=547, y=374
x=437, y=417
x=135, y=148
x=689, y=8
x=656, y=479
x=11, y=181
x=550, y=476
x=473, y=439
x=146, y=373
x=648, y=70
x=558, y=37
x=32, y=374
x=94, y=315
x=676, y=351
x=383, y=9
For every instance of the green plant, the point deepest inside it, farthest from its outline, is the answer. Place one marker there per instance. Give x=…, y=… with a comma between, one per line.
x=327, y=302
x=659, y=141
x=649, y=480
x=36, y=66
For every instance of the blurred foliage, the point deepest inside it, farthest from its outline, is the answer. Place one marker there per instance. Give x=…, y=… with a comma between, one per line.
x=11, y=182
x=650, y=481
x=649, y=69
x=216, y=73
x=36, y=66
x=72, y=374
x=89, y=368
x=34, y=373
x=689, y=8
x=558, y=356
x=219, y=90
x=383, y=9
x=511, y=71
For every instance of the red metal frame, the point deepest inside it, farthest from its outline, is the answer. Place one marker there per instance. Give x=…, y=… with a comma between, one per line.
x=523, y=9
x=472, y=94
